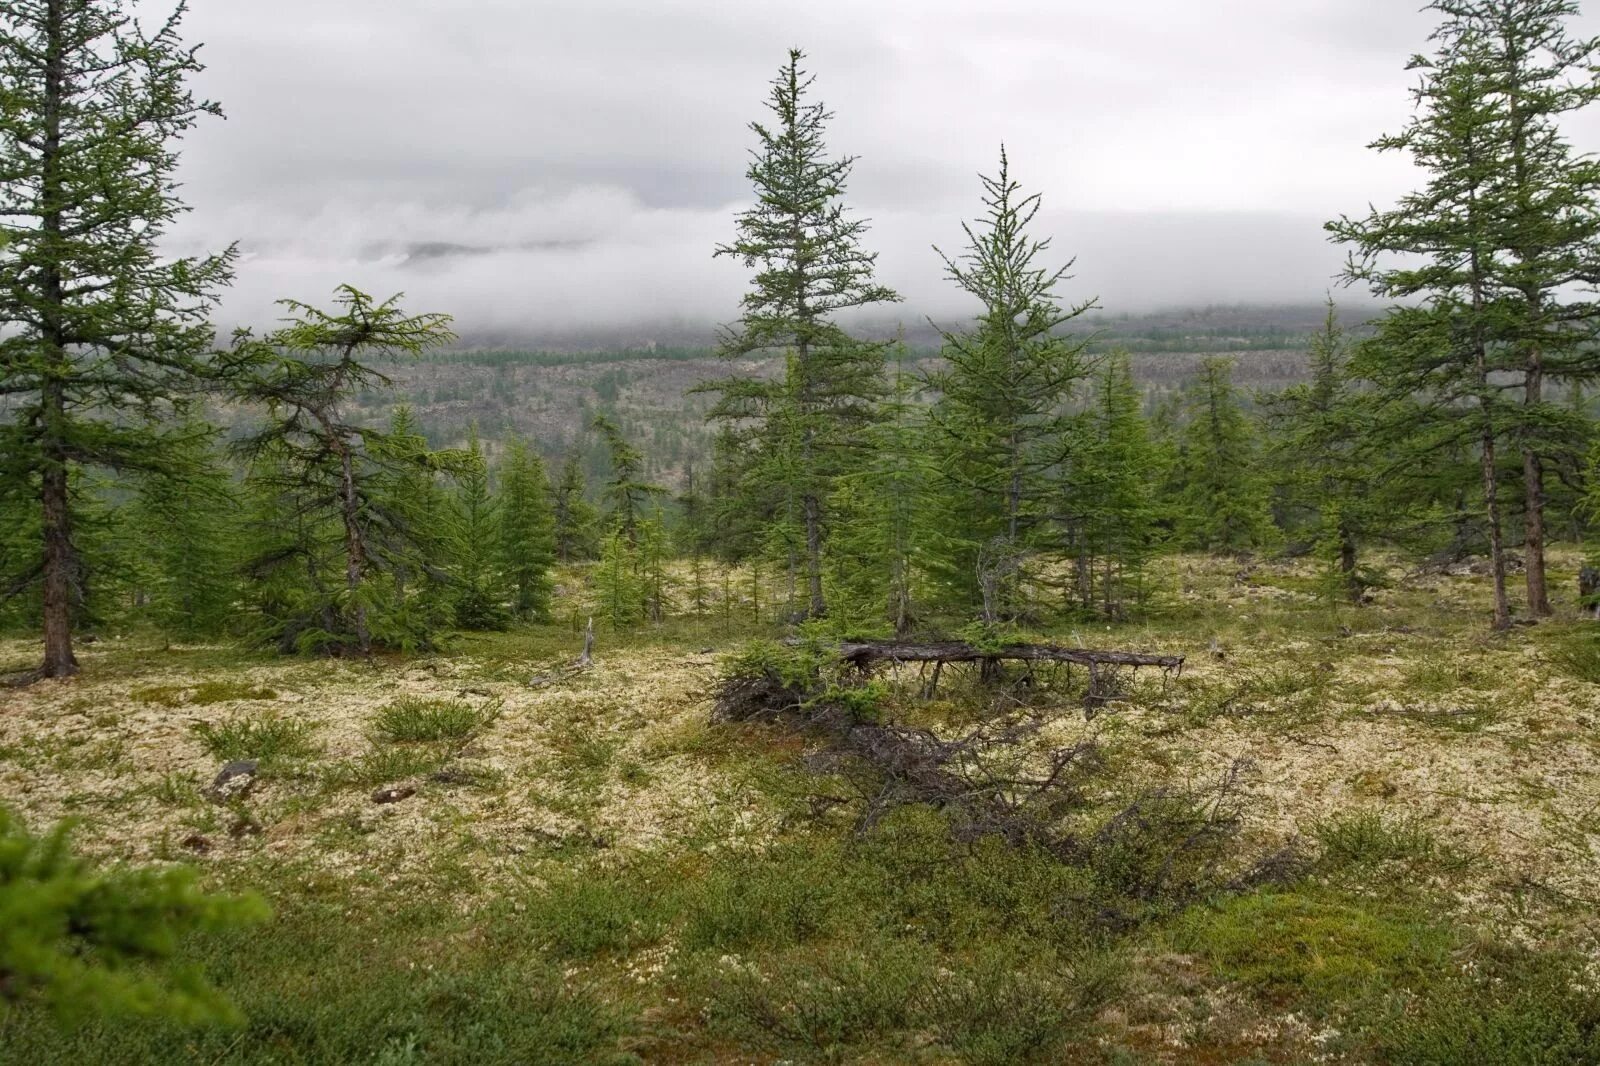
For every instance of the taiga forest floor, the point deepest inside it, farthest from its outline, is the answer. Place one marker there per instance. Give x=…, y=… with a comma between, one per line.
x=1340, y=835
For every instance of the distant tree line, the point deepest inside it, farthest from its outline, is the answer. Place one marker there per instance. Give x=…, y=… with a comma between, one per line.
x=1023, y=475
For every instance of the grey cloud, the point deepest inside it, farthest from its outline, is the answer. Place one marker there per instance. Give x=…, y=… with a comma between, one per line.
x=540, y=168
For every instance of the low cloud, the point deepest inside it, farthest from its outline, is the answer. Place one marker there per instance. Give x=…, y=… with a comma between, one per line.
x=556, y=267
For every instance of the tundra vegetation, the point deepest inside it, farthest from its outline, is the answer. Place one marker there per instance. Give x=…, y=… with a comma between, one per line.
x=981, y=705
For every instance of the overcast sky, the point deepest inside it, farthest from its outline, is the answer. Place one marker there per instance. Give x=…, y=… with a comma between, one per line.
x=536, y=167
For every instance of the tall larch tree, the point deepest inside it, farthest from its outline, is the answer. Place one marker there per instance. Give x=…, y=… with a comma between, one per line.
x=1547, y=230
x=627, y=493
x=101, y=335
x=475, y=543
x=877, y=559
x=1435, y=254
x=1000, y=423
x=810, y=265
x=183, y=520
x=1113, y=491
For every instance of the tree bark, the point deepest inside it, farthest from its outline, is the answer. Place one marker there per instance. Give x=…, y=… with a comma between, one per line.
x=355, y=562
x=60, y=556
x=1497, y=553
x=1347, y=564
x=1533, y=488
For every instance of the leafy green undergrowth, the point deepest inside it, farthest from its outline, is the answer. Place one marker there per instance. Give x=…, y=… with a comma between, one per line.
x=337, y=980
x=1396, y=982
x=899, y=945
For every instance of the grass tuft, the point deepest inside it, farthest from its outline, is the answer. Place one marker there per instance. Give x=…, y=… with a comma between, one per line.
x=269, y=740
x=415, y=720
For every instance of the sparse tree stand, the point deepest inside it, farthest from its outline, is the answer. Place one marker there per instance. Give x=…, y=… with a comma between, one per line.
x=809, y=267
x=1545, y=254
x=1448, y=345
x=327, y=467
x=103, y=338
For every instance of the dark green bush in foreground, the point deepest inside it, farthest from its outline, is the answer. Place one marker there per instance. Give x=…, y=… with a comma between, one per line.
x=81, y=942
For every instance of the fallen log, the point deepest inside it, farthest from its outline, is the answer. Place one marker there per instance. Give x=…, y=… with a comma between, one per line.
x=863, y=653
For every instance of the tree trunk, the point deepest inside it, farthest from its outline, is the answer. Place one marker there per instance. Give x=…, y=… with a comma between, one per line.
x=813, y=509
x=60, y=566
x=60, y=558
x=355, y=553
x=1533, y=487
x=1497, y=554
x=1347, y=564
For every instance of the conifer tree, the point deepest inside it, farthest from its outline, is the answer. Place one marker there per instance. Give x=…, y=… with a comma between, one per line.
x=329, y=473
x=527, y=539
x=1000, y=424
x=654, y=551
x=1546, y=223
x=84, y=942
x=182, y=519
x=626, y=492
x=1437, y=249
x=576, y=522
x=475, y=544
x=618, y=583
x=1114, y=489
x=877, y=557
x=1222, y=493
x=695, y=538
x=408, y=487
x=103, y=336
x=810, y=266
x=1324, y=439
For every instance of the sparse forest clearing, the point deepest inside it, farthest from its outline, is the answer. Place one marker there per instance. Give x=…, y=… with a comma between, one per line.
x=1004, y=690
x=594, y=867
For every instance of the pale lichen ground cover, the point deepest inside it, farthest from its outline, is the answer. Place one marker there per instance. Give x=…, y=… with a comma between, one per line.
x=1408, y=707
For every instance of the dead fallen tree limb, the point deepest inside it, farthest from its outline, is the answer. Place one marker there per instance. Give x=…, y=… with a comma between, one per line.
x=863, y=653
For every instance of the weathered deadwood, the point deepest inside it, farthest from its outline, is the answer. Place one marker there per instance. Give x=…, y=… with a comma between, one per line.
x=862, y=653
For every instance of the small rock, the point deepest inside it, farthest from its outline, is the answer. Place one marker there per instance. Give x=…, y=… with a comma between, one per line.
x=234, y=781
x=393, y=795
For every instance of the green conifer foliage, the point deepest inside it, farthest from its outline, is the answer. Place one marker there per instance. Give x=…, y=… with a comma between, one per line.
x=184, y=530
x=1328, y=450
x=105, y=336
x=527, y=538
x=1222, y=494
x=333, y=481
x=619, y=586
x=475, y=547
x=1542, y=255
x=806, y=251
x=1113, y=490
x=86, y=942
x=877, y=565
x=627, y=494
x=576, y=523
x=1000, y=424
